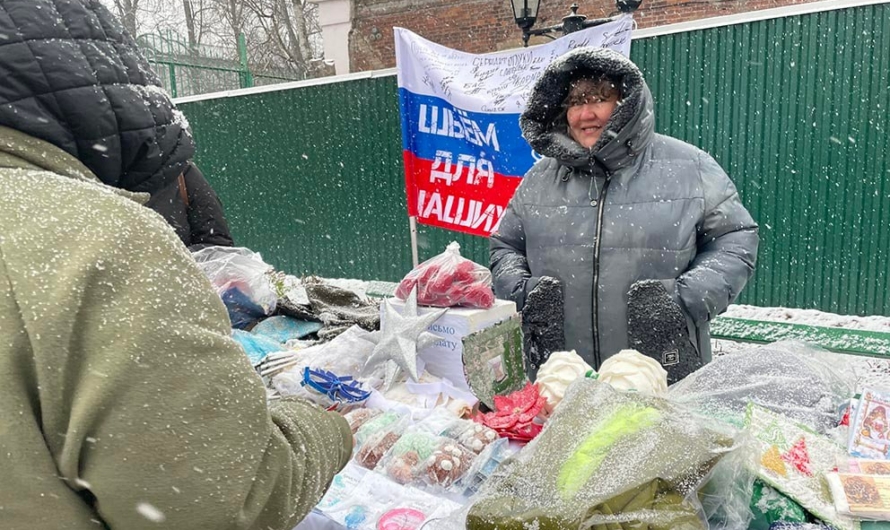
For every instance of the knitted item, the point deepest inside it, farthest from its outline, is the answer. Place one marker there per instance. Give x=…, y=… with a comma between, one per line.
x=656, y=327
x=543, y=323
x=338, y=309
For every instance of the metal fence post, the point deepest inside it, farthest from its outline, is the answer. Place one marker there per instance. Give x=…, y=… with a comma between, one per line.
x=172, y=69
x=171, y=65
x=246, y=76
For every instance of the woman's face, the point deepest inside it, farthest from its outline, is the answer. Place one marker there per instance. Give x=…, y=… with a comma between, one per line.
x=589, y=106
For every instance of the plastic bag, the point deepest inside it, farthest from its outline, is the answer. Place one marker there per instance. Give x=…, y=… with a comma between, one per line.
x=449, y=280
x=358, y=417
x=283, y=328
x=256, y=347
x=326, y=389
x=449, y=463
x=470, y=434
x=606, y=460
x=377, y=436
x=403, y=463
x=345, y=355
x=485, y=465
x=726, y=496
x=239, y=276
x=802, y=382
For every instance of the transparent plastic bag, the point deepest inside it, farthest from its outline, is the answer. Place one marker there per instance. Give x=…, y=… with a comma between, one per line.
x=240, y=277
x=726, y=496
x=794, y=379
x=328, y=390
x=385, y=422
x=376, y=437
x=485, y=465
x=447, y=466
x=404, y=462
x=358, y=417
x=606, y=460
x=345, y=355
x=470, y=434
x=449, y=280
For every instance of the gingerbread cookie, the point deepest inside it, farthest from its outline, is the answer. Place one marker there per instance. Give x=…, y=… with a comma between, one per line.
x=477, y=437
x=474, y=436
x=448, y=464
x=403, y=468
x=358, y=417
x=374, y=449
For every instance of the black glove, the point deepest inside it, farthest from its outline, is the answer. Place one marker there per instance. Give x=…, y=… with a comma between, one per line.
x=656, y=327
x=543, y=323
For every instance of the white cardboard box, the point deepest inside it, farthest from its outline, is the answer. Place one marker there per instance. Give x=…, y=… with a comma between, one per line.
x=445, y=358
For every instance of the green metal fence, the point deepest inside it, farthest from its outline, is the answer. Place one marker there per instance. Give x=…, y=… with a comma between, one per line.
x=187, y=70
x=793, y=108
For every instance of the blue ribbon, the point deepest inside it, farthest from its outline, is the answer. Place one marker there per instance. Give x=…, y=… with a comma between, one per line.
x=341, y=389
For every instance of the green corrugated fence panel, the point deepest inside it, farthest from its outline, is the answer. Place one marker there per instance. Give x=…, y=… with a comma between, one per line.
x=793, y=108
x=312, y=178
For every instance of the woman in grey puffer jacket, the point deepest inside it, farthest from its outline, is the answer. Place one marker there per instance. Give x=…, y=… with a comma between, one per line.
x=616, y=214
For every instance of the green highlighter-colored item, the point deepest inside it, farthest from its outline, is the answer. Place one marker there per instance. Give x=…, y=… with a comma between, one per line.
x=626, y=420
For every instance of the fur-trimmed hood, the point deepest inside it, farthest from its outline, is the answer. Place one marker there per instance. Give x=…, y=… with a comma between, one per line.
x=629, y=131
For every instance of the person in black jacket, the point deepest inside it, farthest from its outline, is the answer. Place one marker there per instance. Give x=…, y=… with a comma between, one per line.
x=193, y=209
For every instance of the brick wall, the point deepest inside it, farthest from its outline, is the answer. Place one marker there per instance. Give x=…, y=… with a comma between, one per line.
x=482, y=26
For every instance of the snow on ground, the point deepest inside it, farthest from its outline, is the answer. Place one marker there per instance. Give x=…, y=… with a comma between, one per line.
x=356, y=286
x=869, y=371
x=809, y=316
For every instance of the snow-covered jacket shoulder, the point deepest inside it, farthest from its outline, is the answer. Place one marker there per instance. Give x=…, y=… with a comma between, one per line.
x=636, y=206
x=125, y=401
x=74, y=78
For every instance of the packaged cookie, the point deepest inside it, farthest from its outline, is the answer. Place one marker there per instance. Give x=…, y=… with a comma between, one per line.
x=372, y=426
x=447, y=464
x=358, y=417
x=472, y=435
x=402, y=463
x=372, y=450
x=485, y=465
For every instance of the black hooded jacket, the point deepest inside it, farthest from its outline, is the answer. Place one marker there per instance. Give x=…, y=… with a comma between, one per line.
x=72, y=77
x=194, y=210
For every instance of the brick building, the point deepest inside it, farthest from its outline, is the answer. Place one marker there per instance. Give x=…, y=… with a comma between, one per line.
x=482, y=26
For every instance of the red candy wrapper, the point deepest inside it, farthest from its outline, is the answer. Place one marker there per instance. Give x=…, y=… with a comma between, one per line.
x=449, y=280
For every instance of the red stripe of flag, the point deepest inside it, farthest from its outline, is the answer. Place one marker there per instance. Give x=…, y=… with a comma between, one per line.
x=454, y=203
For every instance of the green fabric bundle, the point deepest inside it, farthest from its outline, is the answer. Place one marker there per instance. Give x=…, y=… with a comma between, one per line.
x=607, y=460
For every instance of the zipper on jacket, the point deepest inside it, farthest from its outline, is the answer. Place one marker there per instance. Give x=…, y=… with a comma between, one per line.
x=596, y=269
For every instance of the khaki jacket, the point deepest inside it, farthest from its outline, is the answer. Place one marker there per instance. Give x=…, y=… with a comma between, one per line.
x=125, y=403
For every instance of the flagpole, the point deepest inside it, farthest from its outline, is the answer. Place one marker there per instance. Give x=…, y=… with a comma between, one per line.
x=412, y=222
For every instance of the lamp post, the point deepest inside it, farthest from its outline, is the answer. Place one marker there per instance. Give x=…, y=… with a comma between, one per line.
x=525, y=12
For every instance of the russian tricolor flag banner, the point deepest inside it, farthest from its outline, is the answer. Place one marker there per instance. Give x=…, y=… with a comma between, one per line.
x=463, y=150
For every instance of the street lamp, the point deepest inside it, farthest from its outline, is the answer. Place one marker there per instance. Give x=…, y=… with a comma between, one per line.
x=525, y=12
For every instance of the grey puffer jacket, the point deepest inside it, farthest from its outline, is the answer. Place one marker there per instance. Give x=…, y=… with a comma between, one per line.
x=636, y=206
